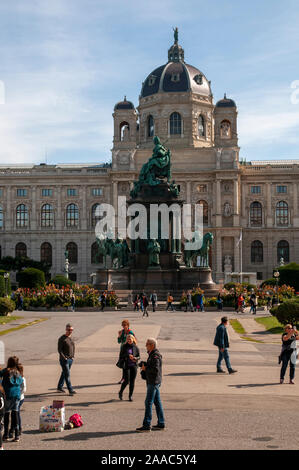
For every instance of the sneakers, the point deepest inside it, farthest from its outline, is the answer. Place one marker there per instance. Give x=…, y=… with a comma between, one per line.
x=60, y=390
x=120, y=395
x=292, y=382
x=130, y=399
x=143, y=429
x=158, y=427
x=281, y=381
x=220, y=371
x=72, y=392
x=10, y=434
x=5, y=438
x=232, y=371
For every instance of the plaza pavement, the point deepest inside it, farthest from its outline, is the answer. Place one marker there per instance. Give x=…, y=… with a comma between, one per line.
x=204, y=410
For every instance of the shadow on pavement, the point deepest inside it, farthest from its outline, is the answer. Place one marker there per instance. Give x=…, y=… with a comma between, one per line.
x=254, y=385
x=89, y=403
x=84, y=436
x=187, y=374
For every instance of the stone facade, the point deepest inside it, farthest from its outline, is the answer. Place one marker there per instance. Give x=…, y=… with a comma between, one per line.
x=256, y=201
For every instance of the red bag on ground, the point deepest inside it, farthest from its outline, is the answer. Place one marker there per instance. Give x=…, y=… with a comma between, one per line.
x=76, y=420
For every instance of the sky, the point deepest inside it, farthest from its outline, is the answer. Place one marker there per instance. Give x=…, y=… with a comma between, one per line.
x=65, y=63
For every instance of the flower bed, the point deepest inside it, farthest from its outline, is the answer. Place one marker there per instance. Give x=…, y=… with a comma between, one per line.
x=53, y=297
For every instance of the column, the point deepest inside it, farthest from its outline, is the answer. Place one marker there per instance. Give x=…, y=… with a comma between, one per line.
x=218, y=204
x=8, y=220
x=188, y=192
x=236, y=254
x=33, y=222
x=84, y=214
x=269, y=219
x=295, y=206
x=59, y=214
x=219, y=271
x=115, y=205
x=236, y=203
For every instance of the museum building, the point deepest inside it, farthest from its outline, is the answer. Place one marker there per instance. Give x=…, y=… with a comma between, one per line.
x=48, y=209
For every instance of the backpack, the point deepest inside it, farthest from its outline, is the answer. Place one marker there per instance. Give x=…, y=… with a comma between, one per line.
x=76, y=420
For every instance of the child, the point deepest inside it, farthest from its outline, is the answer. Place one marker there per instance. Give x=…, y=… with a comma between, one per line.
x=11, y=382
x=23, y=390
x=2, y=408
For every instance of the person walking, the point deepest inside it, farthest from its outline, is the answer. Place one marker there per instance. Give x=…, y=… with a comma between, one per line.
x=200, y=302
x=2, y=412
x=128, y=357
x=122, y=338
x=189, y=302
x=136, y=303
x=66, y=350
x=151, y=371
x=169, y=302
x=11, y=382
x=23, y=390
x=253, y=303
x=145, y=304
x=219, y=302
x=222, y=342
x=73, y=301
x=102, y=300
x=240, y=304
x=154, y=300
x=288, y=352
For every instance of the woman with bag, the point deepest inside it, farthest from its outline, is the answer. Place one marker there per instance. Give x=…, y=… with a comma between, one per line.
x=122, y=337
x=11, y=382
x=128, y=358
x=288, y=352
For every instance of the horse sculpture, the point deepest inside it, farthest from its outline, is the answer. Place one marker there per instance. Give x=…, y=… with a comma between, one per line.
x=190, y=256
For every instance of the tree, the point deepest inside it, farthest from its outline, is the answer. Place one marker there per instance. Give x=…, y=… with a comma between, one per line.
x=289, y=275
x=287, y=312
x=31, y=278
x=6, y=306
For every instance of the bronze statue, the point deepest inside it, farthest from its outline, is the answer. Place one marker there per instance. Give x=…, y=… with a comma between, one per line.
x=154, y=252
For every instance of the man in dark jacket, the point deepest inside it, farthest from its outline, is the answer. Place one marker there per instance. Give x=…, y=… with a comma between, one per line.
x=66, y=349
x=152, y=372
x=222, y=342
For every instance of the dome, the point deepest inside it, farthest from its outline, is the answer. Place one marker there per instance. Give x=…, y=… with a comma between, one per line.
x=226, y=103
x=176, y=76
x=124, y=105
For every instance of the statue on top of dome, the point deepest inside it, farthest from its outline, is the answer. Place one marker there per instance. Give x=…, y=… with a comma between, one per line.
x=176, y=35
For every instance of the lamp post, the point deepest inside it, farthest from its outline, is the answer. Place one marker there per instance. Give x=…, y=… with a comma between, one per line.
x=276, y=275
x=6, y=277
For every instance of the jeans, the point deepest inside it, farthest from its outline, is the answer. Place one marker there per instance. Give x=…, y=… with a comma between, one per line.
x=129, y=376
x=224, y=355
x=66, y=374
x=169, y=304
x=153, y=397
x=286, y=358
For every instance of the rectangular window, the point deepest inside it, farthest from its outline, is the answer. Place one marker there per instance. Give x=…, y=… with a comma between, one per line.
x=281, y=189
x=259, y=276
x=22, y=192
x=255, y=189
x=72, y=192
x=47, y=192
x=96, y=191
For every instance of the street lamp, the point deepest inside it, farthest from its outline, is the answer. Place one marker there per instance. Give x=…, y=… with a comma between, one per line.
x=6, y=277
x=276, y=275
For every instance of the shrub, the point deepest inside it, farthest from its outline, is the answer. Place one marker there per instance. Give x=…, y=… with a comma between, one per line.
x=230, y=285
x=31, y=278
x=269, y=282
x=289, y=274
x=61, y=281
x=2, y=286
x=287, y=312
x=6, y=306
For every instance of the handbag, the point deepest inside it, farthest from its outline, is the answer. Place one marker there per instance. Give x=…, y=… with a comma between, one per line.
x=121, y=363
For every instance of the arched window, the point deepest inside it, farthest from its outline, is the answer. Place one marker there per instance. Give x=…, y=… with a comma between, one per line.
x=205, y=210
x=72, y=215
x=282, y=213
x=124, y=131
x=201, y=126
x=256, y=214
x=46, y=253
x=22, y=216
x=95, y=258
x=21, y=250
x=225, y=129
x=72, y=250
x=1, y=217
x=94, y=216
x=257, y=252
x=283, y=251
x=175, y=124
x=150, y=126
x=47, y=215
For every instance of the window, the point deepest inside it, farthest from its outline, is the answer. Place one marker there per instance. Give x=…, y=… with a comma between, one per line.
x=47, y=192
x=281, y=189
x=282, y=213
x=151, y=80
x=72, y=192
x=95, y=258
x=257, y=252
x=47, y=215
x=259, y=276
x=22, y=216
x=97, y=192
x=22, y=192
x=256, y=214
x=201, y=126
x=1, y=217
x=255, y=190
x=205, y=210
x=198, y=79
x=150, y=126
x=46, y=253
x=72, y=250
x=72, y=215
x=175, y=77
x=21, y=250
x=94, y=215
x=225, y=130
x=283, y=251
x=124, y=130
x=175, y=124
x=202, y=188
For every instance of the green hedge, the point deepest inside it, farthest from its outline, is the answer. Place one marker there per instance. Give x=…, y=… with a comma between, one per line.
x=31, y=278
x=287, y=312
x=61, y=281
x=289, y=275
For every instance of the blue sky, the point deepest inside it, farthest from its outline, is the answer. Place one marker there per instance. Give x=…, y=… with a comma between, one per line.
x=65, y=63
